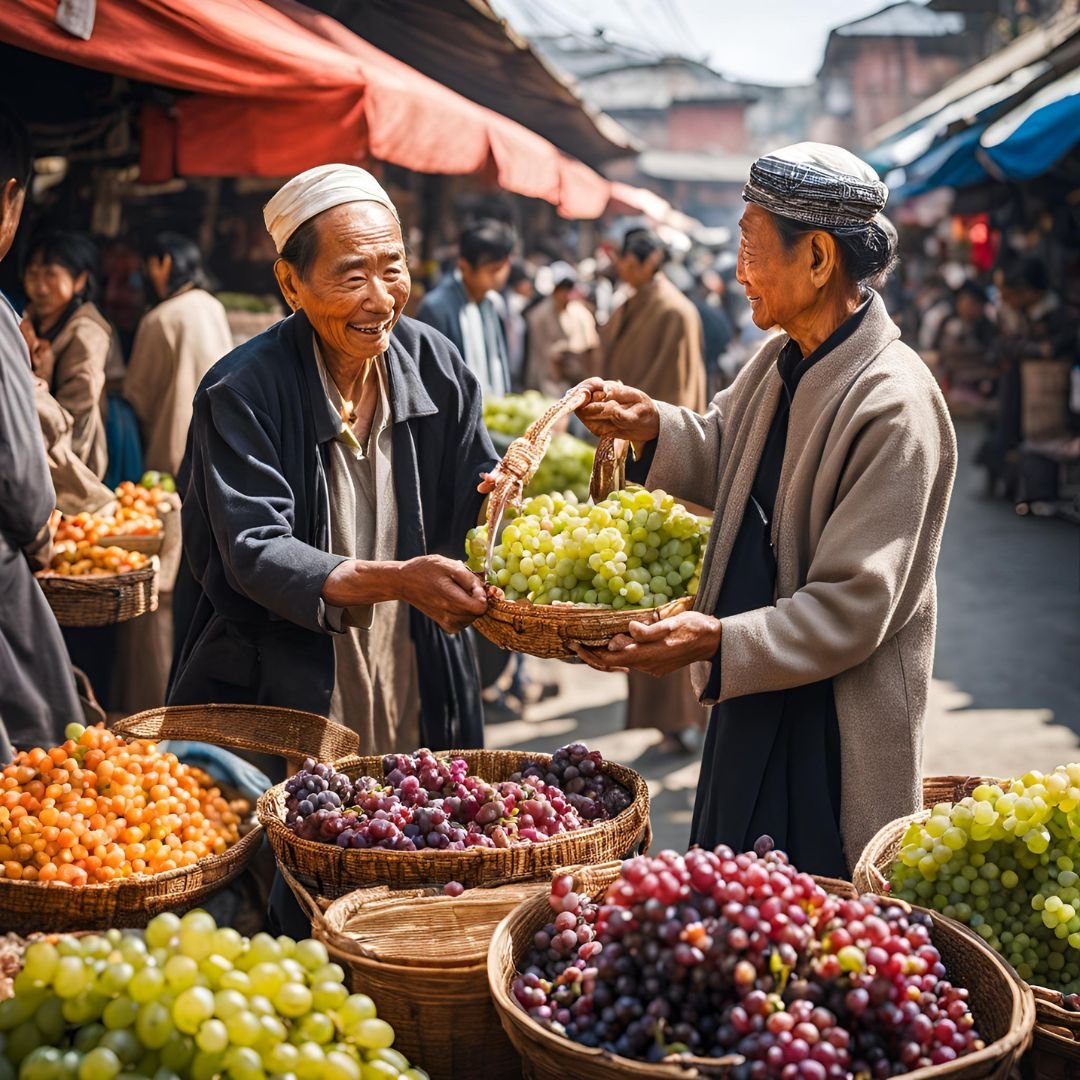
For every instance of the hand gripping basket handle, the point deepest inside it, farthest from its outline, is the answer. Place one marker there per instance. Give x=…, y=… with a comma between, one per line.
x=286, y=733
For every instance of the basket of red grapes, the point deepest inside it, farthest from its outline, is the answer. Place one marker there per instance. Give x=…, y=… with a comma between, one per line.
x=714, y=963
x=471, y=816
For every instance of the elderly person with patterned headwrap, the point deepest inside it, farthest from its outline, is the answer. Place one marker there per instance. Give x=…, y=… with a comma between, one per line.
x=329, y=479
x=829, y=461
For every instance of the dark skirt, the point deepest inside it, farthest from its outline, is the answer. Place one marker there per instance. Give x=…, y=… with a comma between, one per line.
x=771, y=766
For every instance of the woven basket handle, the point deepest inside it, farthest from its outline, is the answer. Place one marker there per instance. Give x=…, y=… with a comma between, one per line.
x=523, y=456
x=285, y=733
x=306, y=901
x=646, y=838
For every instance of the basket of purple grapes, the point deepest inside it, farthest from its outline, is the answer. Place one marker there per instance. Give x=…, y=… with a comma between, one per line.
x=471, y=816
x=718, y=964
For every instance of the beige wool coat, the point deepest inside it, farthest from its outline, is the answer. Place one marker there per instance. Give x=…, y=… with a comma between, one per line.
x=864, y=489
x=176, y=344
x=84, y=352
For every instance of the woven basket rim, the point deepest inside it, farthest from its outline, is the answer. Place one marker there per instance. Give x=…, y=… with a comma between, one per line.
x=1010, y=1044
x=275, y=826
x=138, y=883
x=274, y=821
x=49, y=578
x=569, y=613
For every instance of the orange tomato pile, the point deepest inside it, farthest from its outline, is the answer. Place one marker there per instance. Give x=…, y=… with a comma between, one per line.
x=80, y=558
x=99, y=808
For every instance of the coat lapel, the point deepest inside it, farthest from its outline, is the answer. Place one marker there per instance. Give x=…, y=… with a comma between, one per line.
x=827, y=381
x=739, y=463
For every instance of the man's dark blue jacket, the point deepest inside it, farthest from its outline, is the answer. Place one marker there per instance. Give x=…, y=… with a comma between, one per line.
x=256, y=527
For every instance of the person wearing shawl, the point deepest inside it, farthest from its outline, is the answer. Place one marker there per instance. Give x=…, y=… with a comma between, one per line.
x=329, y=480
x=830, y=462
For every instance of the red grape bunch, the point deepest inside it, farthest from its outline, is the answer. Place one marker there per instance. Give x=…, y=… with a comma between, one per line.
x=716, y=953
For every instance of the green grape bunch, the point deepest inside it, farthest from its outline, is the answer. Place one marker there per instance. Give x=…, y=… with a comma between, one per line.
x=512, y=414
x=189, y=1000
x=1005, y=861
x=635, y=549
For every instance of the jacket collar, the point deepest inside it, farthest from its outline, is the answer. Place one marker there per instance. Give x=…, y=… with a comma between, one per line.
x=408, y=395
x=836, y=370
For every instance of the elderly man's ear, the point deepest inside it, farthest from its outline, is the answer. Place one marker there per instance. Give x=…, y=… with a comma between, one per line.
x=286, y=279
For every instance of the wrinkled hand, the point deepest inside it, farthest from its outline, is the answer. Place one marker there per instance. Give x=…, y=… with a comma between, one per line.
x=658, y=647
x=42, y=359
x=445, y=590
x=619, y=411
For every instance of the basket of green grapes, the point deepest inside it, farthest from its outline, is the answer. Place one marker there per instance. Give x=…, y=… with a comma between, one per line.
x=1003, y=857
x=564, y=571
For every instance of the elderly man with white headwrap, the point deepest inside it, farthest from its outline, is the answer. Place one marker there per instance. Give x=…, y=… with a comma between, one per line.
x=330, y=477
x=829, y=462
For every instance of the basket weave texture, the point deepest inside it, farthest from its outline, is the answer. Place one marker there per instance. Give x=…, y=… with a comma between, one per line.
x=431, y=985
x=548, y=630
x=28, y=906
x=1057, y=1031
x=329, y=871
x=287, y=733
x=102, y=600
x=1002, y=1005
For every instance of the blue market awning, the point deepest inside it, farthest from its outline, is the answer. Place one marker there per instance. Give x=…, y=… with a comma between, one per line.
x=951, y=163
x=1038, y=133
x=907, y=146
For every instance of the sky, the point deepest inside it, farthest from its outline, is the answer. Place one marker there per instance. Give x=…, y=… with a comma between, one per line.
x=766, y=41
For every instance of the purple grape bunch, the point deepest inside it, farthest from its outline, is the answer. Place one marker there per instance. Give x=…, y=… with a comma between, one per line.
x=578, y=771
x=424, y=801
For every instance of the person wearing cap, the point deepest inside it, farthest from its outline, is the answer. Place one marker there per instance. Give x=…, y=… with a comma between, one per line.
x=830, y=462
x=563, y=344
x=329, y=480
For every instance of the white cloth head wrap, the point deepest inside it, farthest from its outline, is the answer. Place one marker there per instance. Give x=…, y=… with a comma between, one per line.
x=316, y=190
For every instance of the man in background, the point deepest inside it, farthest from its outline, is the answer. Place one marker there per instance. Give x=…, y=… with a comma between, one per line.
x=654, y=341
x=463, y=306
x=564, y=347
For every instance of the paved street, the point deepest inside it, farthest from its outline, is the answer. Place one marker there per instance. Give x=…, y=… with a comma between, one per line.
x=1006, y=695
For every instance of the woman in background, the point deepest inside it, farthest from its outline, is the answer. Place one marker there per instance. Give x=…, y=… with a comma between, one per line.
x=176, y=344
x=72, y=344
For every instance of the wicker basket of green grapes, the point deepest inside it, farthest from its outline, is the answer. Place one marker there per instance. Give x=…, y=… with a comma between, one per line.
x=580, y=572
x=1003, y=857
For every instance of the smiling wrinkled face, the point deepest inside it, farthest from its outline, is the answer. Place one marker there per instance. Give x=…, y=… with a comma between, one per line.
x=777, y=281
x=357, y=287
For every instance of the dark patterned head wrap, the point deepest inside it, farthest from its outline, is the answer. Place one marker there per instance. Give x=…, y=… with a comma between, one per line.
x=819, y=185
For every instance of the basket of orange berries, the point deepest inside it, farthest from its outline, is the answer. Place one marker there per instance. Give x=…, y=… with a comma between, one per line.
x=106, y=831
x=89, y=584
x=136, y=523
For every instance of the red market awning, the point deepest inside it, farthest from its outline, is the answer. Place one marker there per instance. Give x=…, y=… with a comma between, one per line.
x=276, y=88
